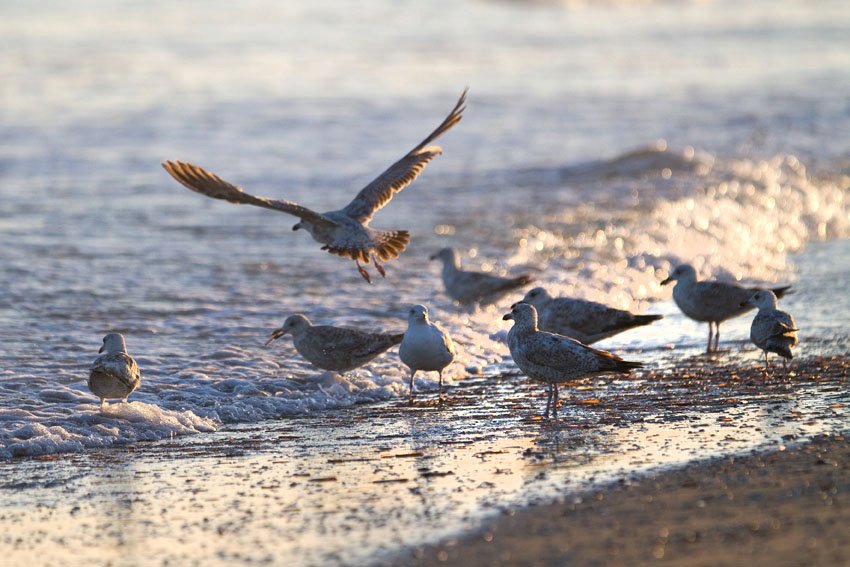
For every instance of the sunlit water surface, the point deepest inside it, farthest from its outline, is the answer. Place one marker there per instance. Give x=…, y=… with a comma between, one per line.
x=601, y=145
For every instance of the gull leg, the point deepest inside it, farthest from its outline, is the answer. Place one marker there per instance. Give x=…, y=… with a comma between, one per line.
x=716, y=335
x=548, y=399
x=555, y=408
x=379, y=267
x=363, y=272
x=412, y=374
x=710, y=331
x=766, y=364
x=441, y=386
x=785, y=366
x=102, y=402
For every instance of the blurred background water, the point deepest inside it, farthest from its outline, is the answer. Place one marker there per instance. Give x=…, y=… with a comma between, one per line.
x=602, y=143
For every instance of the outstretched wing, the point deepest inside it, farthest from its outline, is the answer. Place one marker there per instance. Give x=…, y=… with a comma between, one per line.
x=201, y=181
x=402, y=173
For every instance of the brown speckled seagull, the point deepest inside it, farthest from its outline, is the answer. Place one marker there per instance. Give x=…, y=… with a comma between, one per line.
x=338, y=349
x=471, y=287
x=583, y=320
x=345, y=232
x=551, y=358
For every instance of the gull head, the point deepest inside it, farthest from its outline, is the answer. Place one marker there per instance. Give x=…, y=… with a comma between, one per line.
x=448, y=256
x=113, y=342
x=684, y=272
x=763, y=299
x=417, y=313
x=522, y=314
x=294, y=324
x=536, y=296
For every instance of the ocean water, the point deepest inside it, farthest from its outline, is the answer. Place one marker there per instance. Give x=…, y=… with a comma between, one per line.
x=601, y=145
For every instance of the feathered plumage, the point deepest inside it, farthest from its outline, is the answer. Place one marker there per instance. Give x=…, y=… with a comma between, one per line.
x=551, y=358
x=585, y=321
x=711, y=301
x=338, y=349
x=344, y=232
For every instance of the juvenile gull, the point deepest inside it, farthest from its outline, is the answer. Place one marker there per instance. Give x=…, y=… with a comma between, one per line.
x=338, y=349
x=344, y=232
x=551, y=358
x=711, y=301
x=426, y=346
x=585, y=321
x=772, y=330
x=465, y=286
x=114, y=374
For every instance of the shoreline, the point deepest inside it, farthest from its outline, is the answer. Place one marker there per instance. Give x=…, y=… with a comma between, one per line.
x=372, y=483
x=782, y=506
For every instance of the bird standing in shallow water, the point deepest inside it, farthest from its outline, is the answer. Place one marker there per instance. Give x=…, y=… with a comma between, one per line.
x=772, y=330
x=465, y=286
x=553, y=359
x=582, y=320
x=344, y=232
x=338, y=349
x=712, y=302
x=114, y=374
x=426, y=346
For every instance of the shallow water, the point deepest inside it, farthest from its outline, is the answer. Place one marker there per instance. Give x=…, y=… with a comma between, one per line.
x=299, y=102
x=356, y=486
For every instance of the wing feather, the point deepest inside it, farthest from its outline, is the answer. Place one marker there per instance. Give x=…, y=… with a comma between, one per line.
x=206, y=183
x=399, y=175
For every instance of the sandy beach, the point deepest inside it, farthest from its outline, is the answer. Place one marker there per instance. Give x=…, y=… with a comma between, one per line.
x=787, y=505
x=361, y=486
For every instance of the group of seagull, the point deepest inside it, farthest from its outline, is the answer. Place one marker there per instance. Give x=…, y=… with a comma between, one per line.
x=550, y=338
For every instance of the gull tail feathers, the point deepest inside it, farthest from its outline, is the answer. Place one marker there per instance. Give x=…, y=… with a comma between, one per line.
x=390, y=243
x=636, y=321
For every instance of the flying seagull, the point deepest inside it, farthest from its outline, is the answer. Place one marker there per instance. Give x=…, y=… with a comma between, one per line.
x=711, y=301
x=345, y=232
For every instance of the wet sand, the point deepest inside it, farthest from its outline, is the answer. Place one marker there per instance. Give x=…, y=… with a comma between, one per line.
x=785, y=506
x=782, y=507
x=371, y=483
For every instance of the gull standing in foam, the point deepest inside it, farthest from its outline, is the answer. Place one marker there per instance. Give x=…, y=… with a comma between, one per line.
x=338, y=349
x=344, y=232
x=772, y=330
x=465, y=286
x=114, y=374
x=711, y=301
x=551, y=358
x=585, y=321
x=426, y=346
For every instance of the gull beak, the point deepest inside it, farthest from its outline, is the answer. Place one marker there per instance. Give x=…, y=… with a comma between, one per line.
x=100, y=349
x=432, y=257
x=668, y=280
x=747, y=303
x=508, y=317
x=296, y=226
x=276, y=334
